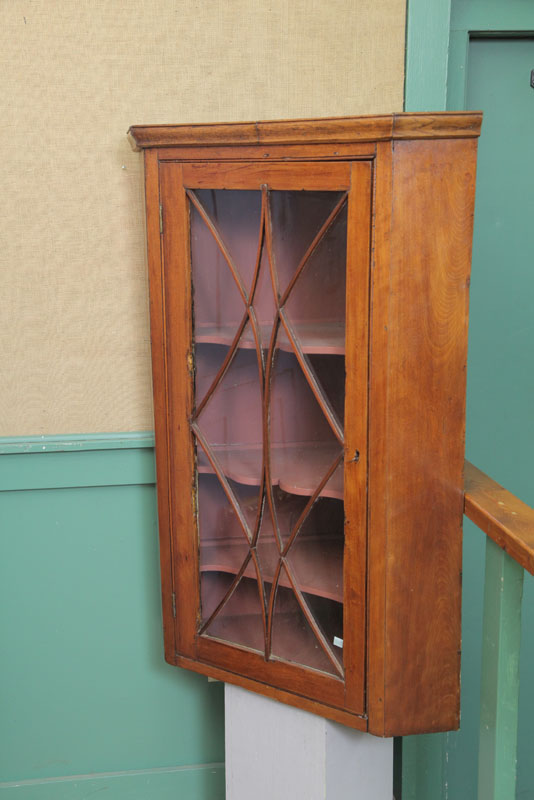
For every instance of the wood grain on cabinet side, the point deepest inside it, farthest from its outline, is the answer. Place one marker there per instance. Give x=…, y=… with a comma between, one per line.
x=178, y=326
x=356, y=395
x=159, y=379
x=378, y=397
x=431, y=235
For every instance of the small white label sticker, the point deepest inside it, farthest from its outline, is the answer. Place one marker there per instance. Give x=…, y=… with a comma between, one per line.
x=338, y=642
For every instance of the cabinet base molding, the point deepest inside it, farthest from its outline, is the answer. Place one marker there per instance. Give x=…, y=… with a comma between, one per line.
x=335, y=714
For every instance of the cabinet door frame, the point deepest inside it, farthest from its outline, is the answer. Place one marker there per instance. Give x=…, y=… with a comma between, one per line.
x=171, y=289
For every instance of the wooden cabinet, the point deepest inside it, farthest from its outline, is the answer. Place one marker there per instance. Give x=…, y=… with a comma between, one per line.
x=309, y=294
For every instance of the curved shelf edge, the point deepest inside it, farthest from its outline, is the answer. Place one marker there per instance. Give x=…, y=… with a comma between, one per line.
x=308, y=556
x=297, y=468
x=325, y=339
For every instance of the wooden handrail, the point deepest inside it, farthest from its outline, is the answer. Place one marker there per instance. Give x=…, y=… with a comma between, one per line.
x=501, y=515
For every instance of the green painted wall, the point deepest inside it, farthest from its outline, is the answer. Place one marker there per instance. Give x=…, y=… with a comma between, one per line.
x=88, y=704
x=427, y=44
x=500, y=418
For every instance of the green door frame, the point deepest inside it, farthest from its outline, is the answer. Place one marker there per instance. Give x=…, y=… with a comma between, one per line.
x=437, y=44
x=478, y=18
x=437, y=40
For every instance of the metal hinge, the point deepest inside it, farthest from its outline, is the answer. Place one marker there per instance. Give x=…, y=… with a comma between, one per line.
x=173, y=605
x=160, y=218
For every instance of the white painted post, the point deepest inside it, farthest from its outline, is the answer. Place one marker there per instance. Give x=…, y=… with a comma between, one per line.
x=276, y=752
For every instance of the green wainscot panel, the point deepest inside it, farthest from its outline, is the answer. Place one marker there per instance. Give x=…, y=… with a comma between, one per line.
x=84, y=685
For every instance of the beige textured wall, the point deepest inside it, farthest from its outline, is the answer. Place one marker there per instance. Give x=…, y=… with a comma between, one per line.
x=74, y=75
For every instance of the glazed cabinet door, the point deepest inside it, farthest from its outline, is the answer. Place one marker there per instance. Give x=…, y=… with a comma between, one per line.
x=265, y=287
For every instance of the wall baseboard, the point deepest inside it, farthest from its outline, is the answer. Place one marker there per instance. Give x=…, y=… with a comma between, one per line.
x=86, y=685
x=198, y=781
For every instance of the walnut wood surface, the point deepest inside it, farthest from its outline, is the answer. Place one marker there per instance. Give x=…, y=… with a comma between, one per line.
x=279, y=177
x=501, y=515
x=336, y=151
x=422, y=434
x=178, y=329
x=306, y=131
x=159, y=377
x=356, y=413
x=410, y=218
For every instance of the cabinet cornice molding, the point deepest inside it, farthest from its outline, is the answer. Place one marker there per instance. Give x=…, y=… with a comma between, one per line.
x=373, y=128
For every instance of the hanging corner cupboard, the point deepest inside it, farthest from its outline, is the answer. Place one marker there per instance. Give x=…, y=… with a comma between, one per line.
x=309, y=295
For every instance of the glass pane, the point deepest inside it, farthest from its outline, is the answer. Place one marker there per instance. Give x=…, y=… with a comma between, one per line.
x=237, y=217
x=315, y=306
x=303, y=444
x=218, y=304
x=293, y=638
x=329, y=370
x=329, y=617
x=223, y=544
x=240, y=621
x=290, y=389
x=297, y=218
x=289, y=508
x=231, y=421
x=316, y=553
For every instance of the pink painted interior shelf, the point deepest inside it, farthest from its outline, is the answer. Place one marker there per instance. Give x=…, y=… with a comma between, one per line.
x=315, y=337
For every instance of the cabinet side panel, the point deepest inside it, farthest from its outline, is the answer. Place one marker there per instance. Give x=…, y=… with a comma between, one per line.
x=432, y=217
x=159, y=373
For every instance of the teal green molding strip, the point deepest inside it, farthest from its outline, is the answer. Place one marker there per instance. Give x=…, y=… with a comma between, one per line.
x=457, y=83
x=202, y=782
x=73, y=469
x=492, y=15
x=503, y=591
x=427, y=46
x=75, y=442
